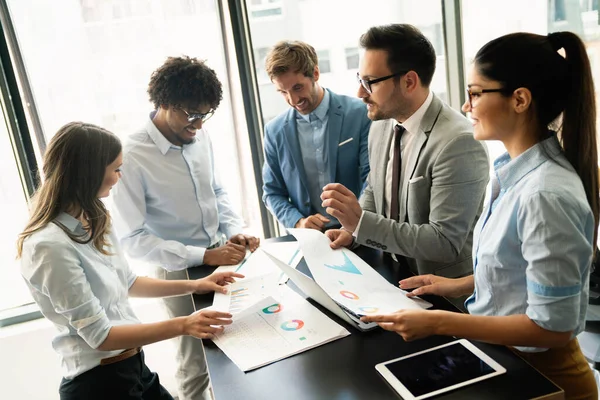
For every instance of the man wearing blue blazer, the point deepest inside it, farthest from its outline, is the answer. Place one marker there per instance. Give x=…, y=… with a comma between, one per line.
x=322, y=139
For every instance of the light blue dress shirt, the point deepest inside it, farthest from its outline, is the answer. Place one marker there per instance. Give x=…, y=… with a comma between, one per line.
x=312, y=136
x=533, y=242
x=80, y=290
x=170, y=204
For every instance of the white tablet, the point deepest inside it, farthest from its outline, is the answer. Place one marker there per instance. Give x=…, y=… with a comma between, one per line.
x=438, y=370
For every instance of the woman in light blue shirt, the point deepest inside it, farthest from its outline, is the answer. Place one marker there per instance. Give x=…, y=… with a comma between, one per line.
x=534, y=241
x=79, y=278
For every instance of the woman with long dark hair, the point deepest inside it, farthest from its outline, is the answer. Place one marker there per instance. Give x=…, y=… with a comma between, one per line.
x=533, y=244
x=79, y=278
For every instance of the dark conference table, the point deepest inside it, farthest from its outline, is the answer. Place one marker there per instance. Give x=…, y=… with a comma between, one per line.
x=345, y=368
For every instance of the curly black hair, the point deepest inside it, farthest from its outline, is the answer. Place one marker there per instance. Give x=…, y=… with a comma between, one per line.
x=185, y=82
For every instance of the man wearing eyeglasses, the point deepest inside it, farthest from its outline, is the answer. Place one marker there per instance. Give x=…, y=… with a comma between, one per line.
x=428, y=174
x=322, y=138
x=170, y=206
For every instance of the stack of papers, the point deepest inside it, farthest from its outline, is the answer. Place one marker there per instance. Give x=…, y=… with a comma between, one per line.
x=258, y=264
x=245, y=292
x=274, y=328
x=349, y=280
x=270, y=321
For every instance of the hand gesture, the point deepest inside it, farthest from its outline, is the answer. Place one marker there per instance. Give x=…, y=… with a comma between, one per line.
x=245, y=240
x=410, y=324
x=316, y=221
x=342, y=204
x=204, y=324
x=228, y=254
x=216, y=282
x=437, y=285
x=339, y=238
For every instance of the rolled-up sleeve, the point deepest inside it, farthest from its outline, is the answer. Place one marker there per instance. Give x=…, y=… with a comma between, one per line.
x=556, y=240
x=54, y=269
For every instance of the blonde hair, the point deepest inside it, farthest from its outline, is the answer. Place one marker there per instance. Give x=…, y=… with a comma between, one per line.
x=74, y=166
x=291, y=56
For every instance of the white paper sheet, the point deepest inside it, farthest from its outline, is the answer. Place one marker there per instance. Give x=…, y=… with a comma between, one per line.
x=258, y=264
x=244, y=293
x=349, y=280
x=288, y=252
x=276, y=328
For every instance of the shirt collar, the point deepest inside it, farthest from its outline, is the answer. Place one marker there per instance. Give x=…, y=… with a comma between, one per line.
x=320, y=112
x=158, y=138
x=413, y=122
x=509, y=172
x=69, y=222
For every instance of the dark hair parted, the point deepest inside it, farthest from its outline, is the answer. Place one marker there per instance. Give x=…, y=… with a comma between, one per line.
x=558, y=85
x=185, y=82
x=74, y=167
x=407, y=49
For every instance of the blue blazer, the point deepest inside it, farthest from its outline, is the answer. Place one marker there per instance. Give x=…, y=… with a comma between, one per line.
x=285, y=190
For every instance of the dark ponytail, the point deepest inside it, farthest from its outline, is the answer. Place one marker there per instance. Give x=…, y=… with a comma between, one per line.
x=559, y=86
x=578, y=132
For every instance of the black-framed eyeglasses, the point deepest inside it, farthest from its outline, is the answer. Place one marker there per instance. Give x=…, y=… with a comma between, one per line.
x=478, y=92
x=192, y=117
x=367, y=83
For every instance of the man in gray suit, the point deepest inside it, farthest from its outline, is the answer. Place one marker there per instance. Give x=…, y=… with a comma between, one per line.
x=428, y=174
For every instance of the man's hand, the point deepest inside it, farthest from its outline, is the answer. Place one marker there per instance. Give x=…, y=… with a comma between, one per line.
x=410, y=324
x=438, y=285
x=339, y=238
x=342, y=204
x=229, y=254
x=316, y=221
x=245, y=240
x=216, y=282
x=204, y=324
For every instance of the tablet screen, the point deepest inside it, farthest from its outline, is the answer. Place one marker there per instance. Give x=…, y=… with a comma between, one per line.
x=439, y=369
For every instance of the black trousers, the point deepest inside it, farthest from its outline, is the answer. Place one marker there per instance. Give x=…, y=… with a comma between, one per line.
x=127, y=379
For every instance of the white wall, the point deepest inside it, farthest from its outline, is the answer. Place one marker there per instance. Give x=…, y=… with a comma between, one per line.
x=30, y=369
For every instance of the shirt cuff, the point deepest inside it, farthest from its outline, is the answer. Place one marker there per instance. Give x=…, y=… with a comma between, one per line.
x=94, y=333
x=232, y=230
x=355, y=233
x=195, y=255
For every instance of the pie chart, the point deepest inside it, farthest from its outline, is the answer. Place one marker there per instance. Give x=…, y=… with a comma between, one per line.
x=292, y=325
x=349, y=295
x=368, y=310
x=273, y=309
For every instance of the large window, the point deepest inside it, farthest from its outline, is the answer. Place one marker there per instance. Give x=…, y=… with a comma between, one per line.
x=13, y=214
x=484, y=21
x=91, y=61
x=336, y=38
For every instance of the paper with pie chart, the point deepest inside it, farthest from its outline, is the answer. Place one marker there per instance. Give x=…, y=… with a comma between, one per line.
x=349, y=280
x=244, y=293
x=274, y=328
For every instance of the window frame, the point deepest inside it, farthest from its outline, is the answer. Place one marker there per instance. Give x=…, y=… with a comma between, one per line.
x=26, y=129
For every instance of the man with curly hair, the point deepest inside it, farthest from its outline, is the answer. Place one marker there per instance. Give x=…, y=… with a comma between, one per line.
x=171, y=207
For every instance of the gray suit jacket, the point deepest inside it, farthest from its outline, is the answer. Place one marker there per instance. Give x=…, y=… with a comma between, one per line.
x=440, y=198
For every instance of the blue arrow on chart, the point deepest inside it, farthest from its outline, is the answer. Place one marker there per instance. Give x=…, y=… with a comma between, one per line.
x=347, y=266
